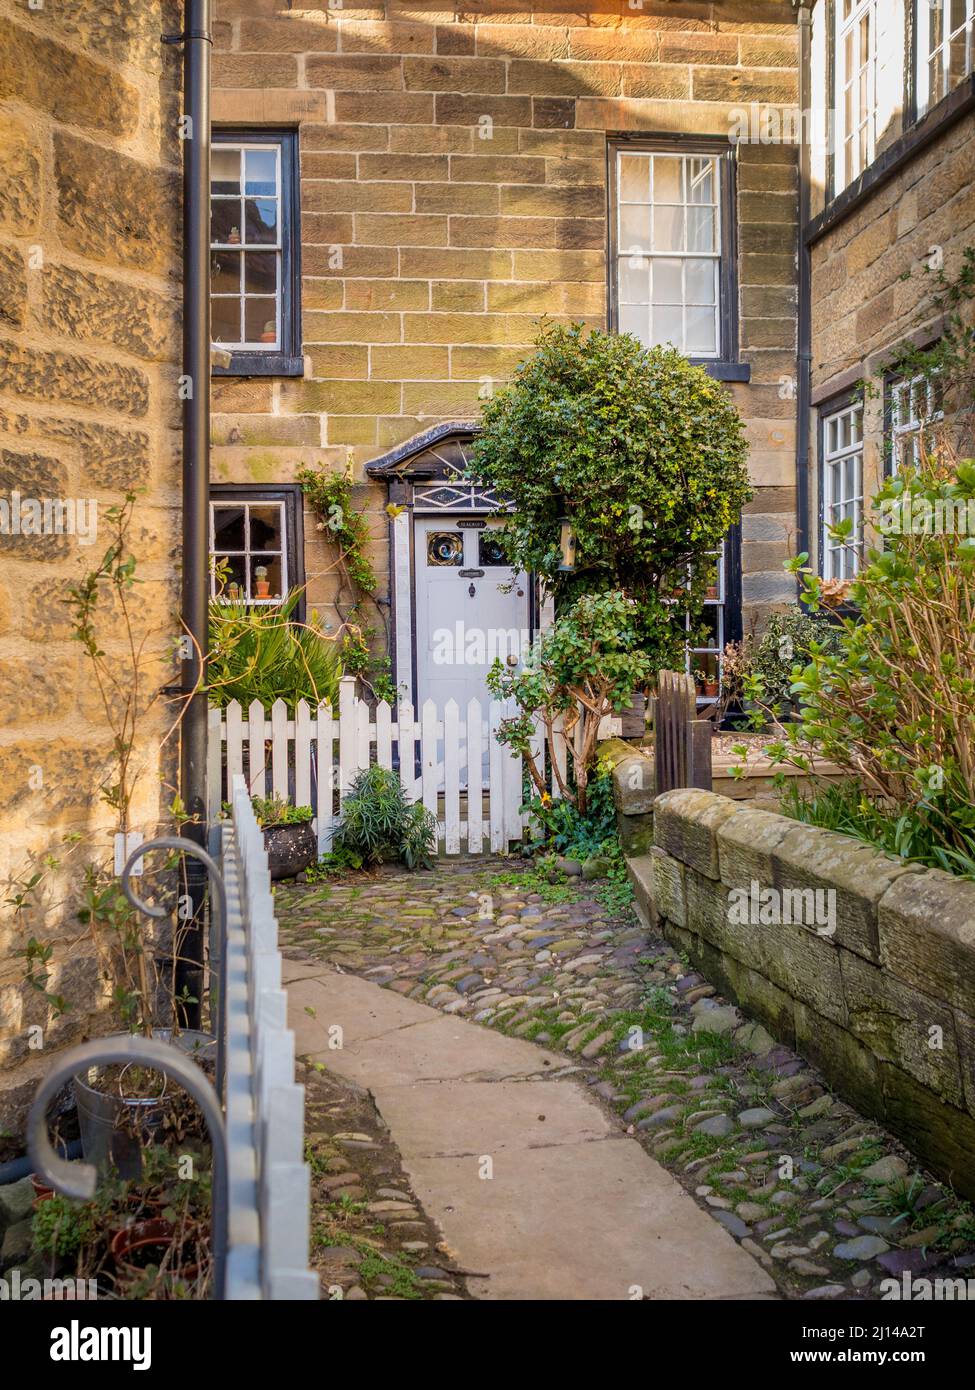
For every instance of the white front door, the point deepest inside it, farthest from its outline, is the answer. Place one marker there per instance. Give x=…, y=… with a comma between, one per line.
x=470, y=609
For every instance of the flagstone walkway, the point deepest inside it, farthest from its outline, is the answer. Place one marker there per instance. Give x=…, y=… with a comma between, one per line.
x=581, y=1114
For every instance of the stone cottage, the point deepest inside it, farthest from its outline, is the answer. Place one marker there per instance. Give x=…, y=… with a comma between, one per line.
x=402, y=191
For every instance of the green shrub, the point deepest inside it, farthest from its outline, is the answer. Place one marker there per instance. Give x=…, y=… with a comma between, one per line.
x=586, y=665
x=380, y=824
x=642, y=452
x=789, y=640
x=261, y=653
x=274, y=811
x=894, y=701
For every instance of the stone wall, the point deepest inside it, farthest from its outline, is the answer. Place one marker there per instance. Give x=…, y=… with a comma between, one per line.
x=879, y=995
x=459, y=164
x=89, y=351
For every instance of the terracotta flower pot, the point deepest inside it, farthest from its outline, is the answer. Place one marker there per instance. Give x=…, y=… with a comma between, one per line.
x=145, y=1243
x=262, y=588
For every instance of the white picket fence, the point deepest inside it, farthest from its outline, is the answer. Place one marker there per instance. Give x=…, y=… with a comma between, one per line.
x=449, y=759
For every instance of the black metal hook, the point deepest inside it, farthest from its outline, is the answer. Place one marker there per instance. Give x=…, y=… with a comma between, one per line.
x=190, y=847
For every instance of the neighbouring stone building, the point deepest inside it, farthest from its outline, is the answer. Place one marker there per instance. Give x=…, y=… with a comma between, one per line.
x=434, y=182
x=892, y=192
x=90, y=286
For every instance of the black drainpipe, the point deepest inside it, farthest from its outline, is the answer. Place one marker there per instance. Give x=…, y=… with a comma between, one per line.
x=804, y=315
x=196, y=478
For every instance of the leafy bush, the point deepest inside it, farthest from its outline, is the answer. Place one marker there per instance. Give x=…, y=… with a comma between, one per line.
x=642, y=452
x=263, y=654
x=789, y=640
x=379, y=823
x=894, y=701
x=274, y=811
x=589, y=662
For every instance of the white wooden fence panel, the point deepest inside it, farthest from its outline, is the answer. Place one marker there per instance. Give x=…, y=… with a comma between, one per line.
x=451, y=777
x=279, y=750
x=475, y=778
x=302, y=754
x=256, y=735
x=441, y=758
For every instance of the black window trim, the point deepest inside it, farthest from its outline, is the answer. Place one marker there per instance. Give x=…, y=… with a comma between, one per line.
x=292, y=496
x=288, y=360
x=727, y=366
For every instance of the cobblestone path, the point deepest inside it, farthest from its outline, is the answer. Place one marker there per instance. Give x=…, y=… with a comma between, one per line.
x=826, y=1201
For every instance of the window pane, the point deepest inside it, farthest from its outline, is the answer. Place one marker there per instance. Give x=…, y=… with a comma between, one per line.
x=265, y=527
x=700, y=181
x=700, y=282
x=634, y=229
x=224, y=169
x=634, y=280
x=260, y=321
x=235, y=568
x=225, y=220
x=667, y=281
x=225, y=272
x=225, y=320
x=701, y=229
x=668, y=326
x=272, y=565
x=261, y=272
x=635, y=319
x=634, y=178
x=260, y=172
x=668, y=229
x=228, y=528
x=261, y=220
x=701, y=330
x=667, y=180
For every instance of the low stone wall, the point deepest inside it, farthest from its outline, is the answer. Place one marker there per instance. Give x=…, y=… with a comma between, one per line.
x=863, y=964
x=634, y=785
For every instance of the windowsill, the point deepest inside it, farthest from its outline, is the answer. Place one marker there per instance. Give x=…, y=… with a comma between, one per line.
x=723, y=371
x=262, y=364
x=949, y=110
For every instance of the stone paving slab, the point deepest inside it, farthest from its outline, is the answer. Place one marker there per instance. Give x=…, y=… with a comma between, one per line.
x=573, y=1210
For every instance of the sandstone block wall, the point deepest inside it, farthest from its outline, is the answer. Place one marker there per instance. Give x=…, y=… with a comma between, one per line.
x=884, y=1004
x=90, y=286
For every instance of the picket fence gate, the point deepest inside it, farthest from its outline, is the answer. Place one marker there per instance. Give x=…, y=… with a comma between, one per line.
x=449, y=759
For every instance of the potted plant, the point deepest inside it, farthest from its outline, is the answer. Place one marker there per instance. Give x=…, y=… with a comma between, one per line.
x=233, y=238
x=289, y=837
x=270, y=334
x=262, y=586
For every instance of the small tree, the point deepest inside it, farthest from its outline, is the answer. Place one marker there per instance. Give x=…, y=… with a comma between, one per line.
x=641, y=452
x=586, y=666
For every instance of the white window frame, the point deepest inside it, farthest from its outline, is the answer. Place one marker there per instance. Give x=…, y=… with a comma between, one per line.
x=626, y=249
x=862, y=138
x=277, y=247
x=712, y=654
x=841, y=559
x=906, y=422
x=942, y=51
x=246, y=503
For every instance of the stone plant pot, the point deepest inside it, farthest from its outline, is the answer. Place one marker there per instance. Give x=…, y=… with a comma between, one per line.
x=290, y=848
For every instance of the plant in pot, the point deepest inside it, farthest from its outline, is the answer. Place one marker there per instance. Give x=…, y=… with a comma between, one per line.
x=262, y=586
x=270, y=333
x=289, y=837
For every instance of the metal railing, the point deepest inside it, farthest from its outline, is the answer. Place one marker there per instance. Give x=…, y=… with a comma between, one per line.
x=260, y=1216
